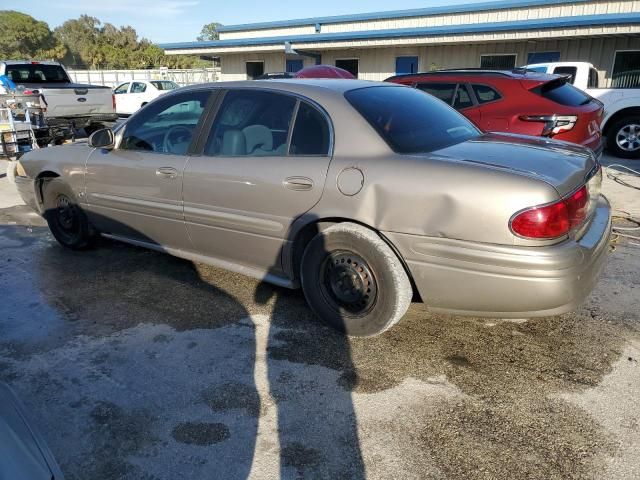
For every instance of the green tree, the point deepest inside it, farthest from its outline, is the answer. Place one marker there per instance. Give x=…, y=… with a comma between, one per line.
x=209, y=32
x=24, y=37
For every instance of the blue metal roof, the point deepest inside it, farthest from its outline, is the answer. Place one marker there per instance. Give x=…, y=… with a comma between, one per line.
x=416, y=12
x=561, y=22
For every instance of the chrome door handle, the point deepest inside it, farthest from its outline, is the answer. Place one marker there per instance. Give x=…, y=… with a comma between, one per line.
x=167, y=172
x=298, y=183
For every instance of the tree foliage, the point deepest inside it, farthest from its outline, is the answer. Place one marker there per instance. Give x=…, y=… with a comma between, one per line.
x=24, y=37
x=84, y=42
x=209, y=32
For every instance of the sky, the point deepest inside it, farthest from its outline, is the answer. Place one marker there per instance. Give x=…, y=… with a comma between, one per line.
x=164, y=21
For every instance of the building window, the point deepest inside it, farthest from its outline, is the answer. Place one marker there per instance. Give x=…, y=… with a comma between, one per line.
x=506, y=61
x=543, y=57
x=294, y=65
x=626, y=71
x=348, y=64
x=254, y=69
x=406, y=65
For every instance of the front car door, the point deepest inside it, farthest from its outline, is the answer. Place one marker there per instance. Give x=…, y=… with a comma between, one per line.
x=135, y=190
x=264, y=164
x=121, y=94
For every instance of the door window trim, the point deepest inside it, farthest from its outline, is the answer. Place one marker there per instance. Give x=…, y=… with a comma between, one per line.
x=215, y=111
x=475, y=98
x=197, y=131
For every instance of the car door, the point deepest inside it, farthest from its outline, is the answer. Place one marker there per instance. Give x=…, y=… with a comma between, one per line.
x=136, y=96
x=135, y=190
x=121, y=93
x=463, y=102
x=263, y=165
x=494, y=112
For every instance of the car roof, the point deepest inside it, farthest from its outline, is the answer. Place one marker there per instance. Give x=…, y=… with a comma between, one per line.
x=516, y=74
x=299, y=85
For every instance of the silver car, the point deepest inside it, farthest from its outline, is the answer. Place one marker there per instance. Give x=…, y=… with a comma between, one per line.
x=364, y=194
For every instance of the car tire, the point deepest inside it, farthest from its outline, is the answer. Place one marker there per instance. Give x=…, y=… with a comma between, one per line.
x=619, y=135
x=354, y=281
x=67, y=222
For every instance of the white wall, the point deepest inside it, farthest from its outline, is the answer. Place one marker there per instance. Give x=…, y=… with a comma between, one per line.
x=113, y=78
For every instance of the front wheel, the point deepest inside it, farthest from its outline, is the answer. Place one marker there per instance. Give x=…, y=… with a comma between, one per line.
x=623, y=138
x=67, y=222
x=354, y=281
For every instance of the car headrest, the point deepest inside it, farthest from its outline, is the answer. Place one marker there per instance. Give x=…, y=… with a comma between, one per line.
x=234, y=143
x=258, y=136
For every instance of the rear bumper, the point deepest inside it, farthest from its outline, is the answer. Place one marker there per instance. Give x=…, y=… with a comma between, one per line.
x=477, y=279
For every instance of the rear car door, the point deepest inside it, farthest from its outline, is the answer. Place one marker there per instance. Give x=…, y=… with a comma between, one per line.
x=493, y=112
x=454, y=94
x=264, y=163
x=135, y=190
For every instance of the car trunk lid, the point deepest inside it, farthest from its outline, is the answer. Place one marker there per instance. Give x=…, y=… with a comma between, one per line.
x=564, y=166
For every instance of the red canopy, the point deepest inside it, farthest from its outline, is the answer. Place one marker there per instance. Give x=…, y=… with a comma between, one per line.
x=324, y=71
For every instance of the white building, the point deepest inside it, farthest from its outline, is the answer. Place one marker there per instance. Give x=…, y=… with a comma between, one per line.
x=375, y=46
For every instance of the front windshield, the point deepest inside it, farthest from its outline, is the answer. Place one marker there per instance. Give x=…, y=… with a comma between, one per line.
x=410, y=120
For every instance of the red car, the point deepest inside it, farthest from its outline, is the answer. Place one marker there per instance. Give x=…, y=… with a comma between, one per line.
x=517, y=101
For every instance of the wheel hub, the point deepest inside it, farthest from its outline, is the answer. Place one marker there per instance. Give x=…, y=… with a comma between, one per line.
x=349, y=280
x=65, y=212
x=628, y=137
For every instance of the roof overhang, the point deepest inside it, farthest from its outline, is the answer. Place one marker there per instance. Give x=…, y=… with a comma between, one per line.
x=606, y=24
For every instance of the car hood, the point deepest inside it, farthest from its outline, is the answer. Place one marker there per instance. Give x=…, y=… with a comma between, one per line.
x=563, y=165
x=24, y=454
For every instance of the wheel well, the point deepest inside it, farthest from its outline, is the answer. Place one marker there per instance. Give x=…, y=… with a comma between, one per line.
x=625, y=112
x=40, y=181
x=306, y=234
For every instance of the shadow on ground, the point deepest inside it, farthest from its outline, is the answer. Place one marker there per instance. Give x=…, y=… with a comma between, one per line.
x=123, y=354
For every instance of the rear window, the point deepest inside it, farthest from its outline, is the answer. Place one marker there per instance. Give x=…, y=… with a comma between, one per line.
x=164, y=85
x=37, y=73
x=562, y=93
x=409, y=120
x=567, y=71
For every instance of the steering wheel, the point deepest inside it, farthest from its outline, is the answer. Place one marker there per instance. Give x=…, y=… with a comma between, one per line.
x=167, y=144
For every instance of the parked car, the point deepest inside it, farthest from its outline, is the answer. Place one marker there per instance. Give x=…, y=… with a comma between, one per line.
x=131, y=96
x=516, y=101
x=354, y=190
x=621, y=120
x=67, y=104
x=24, y=454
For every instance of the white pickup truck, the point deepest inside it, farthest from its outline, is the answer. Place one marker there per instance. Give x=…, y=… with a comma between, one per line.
x=68, y=104
x=621, y=121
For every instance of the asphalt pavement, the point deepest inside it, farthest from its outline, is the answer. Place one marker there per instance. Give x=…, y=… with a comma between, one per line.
x=138, y=365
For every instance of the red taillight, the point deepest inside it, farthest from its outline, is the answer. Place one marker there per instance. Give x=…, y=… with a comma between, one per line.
x=113, y=101
x=553, y=220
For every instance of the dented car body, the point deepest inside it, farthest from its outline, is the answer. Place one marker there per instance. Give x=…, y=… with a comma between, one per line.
x=244, y=175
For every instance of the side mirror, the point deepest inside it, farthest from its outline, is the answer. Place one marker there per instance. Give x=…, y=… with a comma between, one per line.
x=102, y=138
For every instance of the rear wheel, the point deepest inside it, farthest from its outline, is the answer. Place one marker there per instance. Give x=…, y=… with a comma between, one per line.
x=354, y=281
x=623, y=138
x=67, y=222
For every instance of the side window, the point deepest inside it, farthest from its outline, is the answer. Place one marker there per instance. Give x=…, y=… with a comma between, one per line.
x=443, y=91
x=166, y=126
x=567, y=71
x=251, y=123
x=310, y=132
x=485, y=94
x=463, y=100
x=138, y=87
x=593, y=78
x=122, y=88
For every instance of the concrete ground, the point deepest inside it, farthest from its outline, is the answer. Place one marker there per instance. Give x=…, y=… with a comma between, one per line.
x=137, y=365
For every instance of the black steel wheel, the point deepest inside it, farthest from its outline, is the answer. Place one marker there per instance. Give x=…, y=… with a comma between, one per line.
x=354, y=281
x=66, y=220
